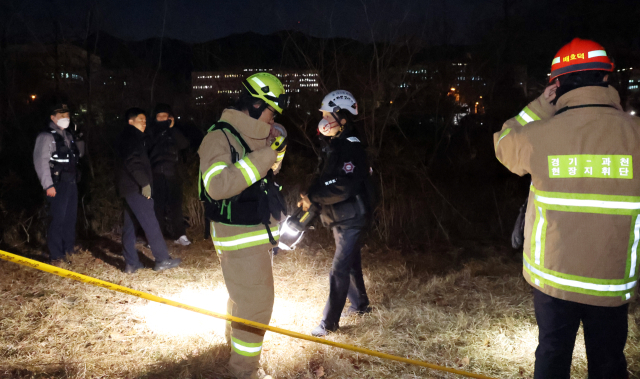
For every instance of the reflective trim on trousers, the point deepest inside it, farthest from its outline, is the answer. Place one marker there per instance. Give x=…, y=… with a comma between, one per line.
x=245, y=348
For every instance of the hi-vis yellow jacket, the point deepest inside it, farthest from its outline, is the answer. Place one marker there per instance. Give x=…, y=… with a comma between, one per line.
x=223, y=179
x=582, y=227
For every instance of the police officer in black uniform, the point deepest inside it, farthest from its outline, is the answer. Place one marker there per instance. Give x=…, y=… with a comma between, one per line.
x=342, y=190
x=55, y=158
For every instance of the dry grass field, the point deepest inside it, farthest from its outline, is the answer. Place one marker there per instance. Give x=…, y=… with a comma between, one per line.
x=464, y=307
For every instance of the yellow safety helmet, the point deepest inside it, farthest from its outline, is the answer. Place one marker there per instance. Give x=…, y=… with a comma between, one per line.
x=268, y=88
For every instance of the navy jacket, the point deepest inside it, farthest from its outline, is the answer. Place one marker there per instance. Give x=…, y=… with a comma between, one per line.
x=341, y=187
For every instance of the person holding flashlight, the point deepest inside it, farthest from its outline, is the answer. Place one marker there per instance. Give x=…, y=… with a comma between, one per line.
x=342, y=192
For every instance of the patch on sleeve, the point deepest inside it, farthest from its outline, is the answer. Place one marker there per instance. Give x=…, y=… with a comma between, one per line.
x=348, y=167
x=353, y=139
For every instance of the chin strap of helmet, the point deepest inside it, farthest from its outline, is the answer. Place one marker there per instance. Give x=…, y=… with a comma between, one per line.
x=339, y=121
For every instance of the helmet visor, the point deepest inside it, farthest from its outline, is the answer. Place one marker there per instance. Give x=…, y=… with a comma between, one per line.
x=281, y=101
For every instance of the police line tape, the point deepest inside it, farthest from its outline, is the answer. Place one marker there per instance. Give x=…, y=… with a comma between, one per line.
x=114, y=287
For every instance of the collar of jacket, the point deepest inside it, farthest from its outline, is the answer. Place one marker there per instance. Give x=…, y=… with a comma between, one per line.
x=590, y=95
x=135, y=131
x=247, y=126
x=54, y=126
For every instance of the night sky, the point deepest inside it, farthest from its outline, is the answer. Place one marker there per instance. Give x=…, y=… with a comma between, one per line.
x=203, y=20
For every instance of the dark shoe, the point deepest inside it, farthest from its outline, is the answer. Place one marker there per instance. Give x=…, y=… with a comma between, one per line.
x=352, y=312
x=322, y=331
x=167, y=264
x=130, y=269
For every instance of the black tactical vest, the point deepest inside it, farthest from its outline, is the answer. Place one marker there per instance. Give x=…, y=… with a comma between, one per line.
x=64, y=160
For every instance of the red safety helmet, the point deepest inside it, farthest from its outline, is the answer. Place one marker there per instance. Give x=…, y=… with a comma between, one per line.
x=580, y=55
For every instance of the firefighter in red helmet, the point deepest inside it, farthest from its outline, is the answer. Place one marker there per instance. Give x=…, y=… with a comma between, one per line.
x=582, y=225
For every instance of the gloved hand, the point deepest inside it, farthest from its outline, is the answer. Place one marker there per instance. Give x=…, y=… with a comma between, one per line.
x=146, y=191
x=279, y=144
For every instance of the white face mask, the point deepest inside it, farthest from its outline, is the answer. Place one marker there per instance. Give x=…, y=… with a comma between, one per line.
x=63, y=123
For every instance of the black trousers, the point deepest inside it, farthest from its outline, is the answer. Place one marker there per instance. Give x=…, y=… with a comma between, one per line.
x=167, y=196
x=345, y=279
x=63, y=211
x=139, y=208
x=605, y=334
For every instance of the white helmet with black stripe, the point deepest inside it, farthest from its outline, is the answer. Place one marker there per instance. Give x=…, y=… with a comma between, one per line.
x=339, y=100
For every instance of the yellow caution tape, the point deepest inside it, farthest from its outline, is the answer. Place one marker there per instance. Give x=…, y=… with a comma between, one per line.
x=114, y=287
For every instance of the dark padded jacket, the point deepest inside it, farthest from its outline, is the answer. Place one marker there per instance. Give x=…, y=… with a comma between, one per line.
x=134, y=166
x=166, y=144
x=341, y=187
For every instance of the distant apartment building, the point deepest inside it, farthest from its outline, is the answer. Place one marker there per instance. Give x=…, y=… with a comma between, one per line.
x=206, y=85
x=42, y=68
x=634, y=78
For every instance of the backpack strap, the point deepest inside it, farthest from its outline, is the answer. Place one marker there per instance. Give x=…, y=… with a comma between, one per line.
x=222, y=125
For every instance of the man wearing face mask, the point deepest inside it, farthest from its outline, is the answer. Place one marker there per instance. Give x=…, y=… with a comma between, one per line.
x=167, y=142
x=55, y=158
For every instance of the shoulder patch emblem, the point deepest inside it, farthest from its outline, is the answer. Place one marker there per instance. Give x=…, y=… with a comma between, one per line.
x=348, y=167
x=353, y=139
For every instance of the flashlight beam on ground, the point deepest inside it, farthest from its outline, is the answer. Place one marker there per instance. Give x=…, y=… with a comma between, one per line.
x=114, y=287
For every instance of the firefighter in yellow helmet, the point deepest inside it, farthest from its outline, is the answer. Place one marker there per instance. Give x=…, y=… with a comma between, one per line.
x=236, y=160
x=582, y=225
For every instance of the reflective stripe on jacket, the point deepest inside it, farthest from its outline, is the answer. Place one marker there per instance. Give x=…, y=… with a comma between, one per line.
x=582, y=227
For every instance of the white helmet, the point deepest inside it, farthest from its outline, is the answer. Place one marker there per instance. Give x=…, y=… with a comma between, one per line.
x=338, y=100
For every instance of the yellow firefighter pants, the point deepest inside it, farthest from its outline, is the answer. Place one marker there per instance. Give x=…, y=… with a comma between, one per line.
x=248, y=276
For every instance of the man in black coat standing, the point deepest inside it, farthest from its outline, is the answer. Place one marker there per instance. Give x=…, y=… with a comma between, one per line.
x=134, y=185
x=167, y=142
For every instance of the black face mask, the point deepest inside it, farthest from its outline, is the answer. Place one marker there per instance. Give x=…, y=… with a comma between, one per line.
x=163, y=125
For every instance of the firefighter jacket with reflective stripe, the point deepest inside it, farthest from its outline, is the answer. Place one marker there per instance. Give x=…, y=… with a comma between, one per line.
x=222, y=179
x=582, y=227
x=56, y=156
x=341, y=187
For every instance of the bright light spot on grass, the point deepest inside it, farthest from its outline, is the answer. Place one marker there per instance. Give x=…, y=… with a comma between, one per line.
x=169, y=320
